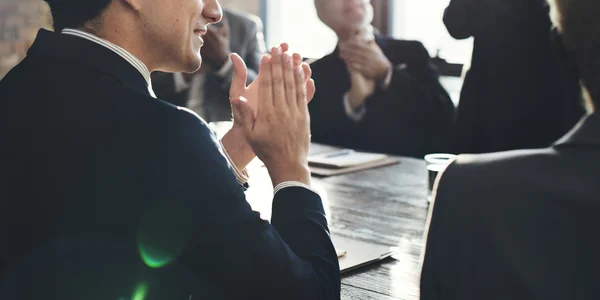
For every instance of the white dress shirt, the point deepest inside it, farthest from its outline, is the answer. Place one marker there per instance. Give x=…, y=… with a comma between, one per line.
x=241, y=176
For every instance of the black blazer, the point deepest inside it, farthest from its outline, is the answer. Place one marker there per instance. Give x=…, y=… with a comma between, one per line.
x=411, y=118
x=518, y=225
x=516, y=94
x=87, y=152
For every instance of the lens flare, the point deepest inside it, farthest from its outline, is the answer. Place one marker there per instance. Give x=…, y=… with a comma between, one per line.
x=140, y=292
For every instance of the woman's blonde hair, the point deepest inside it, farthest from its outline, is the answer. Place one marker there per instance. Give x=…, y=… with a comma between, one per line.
x=579, y=24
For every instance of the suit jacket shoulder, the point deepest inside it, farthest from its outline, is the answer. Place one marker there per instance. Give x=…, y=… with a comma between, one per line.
x=495, y=171
x=412, y=53
x=410, y=48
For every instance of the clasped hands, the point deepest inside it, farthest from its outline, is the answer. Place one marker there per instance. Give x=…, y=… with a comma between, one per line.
x=271, y=118
x=367, y=64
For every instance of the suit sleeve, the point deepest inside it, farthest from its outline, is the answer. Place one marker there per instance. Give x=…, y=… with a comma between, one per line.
x=459, y=18
x=201, y=216
x=467, y=18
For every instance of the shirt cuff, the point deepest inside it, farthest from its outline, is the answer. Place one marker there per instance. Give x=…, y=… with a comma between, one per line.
x=224, y=70
x=287, y=184
x=354, y=114
x=241, y=176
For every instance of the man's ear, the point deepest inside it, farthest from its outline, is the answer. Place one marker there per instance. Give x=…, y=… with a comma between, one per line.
x=133, y=4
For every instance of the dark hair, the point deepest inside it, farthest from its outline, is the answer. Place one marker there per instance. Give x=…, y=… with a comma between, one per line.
x=75, y=13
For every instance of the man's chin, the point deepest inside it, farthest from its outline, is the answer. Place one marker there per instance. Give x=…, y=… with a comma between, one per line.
x=194, y=65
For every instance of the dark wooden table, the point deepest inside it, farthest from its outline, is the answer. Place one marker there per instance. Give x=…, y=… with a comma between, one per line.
x=387, y=206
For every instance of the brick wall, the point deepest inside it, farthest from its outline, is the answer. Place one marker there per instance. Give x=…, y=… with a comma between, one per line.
x=20, y=21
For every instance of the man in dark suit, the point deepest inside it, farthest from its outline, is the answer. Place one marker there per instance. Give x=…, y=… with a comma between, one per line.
x=523, y=224
x=89, y=154
x=206, y=91
x=516, y=95
x=376, y=93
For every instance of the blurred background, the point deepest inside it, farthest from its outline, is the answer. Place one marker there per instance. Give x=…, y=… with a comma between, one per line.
x=292, y=21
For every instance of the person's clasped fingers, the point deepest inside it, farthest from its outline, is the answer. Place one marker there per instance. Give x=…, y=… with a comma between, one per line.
x=307, y=72
x=289, y=79
x=297, y=58
x=277, y=77
x=265, y=86
x=311, y=89
x=301, y=101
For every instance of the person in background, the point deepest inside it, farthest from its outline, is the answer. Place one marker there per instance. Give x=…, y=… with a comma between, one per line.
x=206, y=91
x=523, y=224
x=376, y=93
x=90, y=155
x=516, y=94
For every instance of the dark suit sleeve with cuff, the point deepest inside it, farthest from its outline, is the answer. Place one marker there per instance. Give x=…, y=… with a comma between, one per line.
x=200, y=207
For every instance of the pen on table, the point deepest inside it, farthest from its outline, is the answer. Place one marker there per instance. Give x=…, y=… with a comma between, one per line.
x=340, y=253
x=340, y=153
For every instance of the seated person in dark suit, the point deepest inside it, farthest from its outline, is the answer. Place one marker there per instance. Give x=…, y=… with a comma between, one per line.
x=91, y=154
x=376, y=93
x=516, y=95
x=206, y=91
x=524, y=224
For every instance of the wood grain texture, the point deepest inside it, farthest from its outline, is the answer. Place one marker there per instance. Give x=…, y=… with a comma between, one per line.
x=386, y=206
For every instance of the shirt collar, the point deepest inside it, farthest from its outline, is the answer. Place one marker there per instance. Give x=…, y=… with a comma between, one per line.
x=130, y=58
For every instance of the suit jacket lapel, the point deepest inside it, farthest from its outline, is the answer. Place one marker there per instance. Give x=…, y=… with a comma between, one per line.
x=335, y=68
